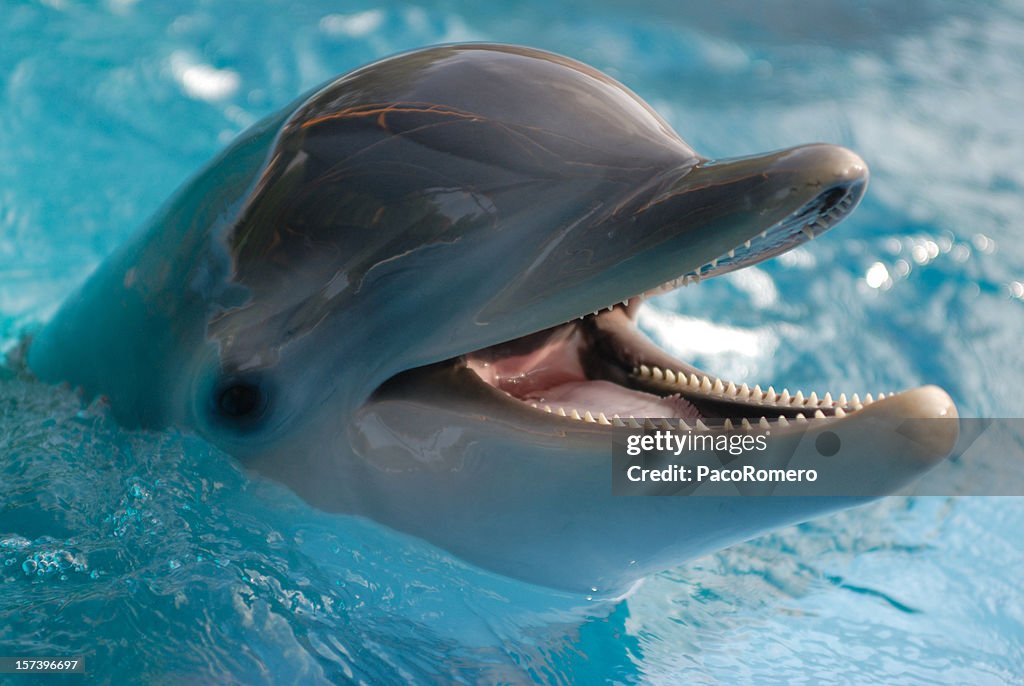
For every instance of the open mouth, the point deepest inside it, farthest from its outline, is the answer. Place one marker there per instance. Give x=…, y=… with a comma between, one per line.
x=599, y=368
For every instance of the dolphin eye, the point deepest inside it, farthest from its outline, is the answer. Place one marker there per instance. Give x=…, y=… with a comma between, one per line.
x=240, y=399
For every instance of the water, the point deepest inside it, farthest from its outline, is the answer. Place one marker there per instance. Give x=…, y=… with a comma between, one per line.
x=159, y=559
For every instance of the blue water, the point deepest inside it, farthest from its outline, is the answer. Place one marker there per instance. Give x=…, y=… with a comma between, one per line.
x=156, y=557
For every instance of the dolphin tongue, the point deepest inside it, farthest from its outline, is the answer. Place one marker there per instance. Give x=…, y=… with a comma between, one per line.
x=548, y=371
x=612, y=399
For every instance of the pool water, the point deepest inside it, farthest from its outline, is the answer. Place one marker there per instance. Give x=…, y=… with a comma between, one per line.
x=161, y=561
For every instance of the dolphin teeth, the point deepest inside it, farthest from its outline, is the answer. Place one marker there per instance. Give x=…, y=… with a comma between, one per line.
x=617, y=421
x=561, y=412
x=857, y=407
x=868, y=399
x=645, y=370
x=808, y=232
x=648, y=424
x=828, y=399
x=855, y=400
x=764, y=423
x=881, y=396
x=731, y=390
x=757, y=394
x=798, y=399
x=746, y=244
x=770, y=394
x=842, y=399
x=782, y=421
x=800, y=417
x=657, y=373
x=745, y=423
x=812, y=399
x=840, y=412
x=634, y=424
x=714, y=263
x=718, y=387
x=547, y=408
x=694, y=381
x=763, y=234
x=588, y=417
x=744, y=392
x=705, y=384
x=700, y=426
x=784, y=398
x=727, y=425
x=818, y=414
x=731, y=253
x=670, y=376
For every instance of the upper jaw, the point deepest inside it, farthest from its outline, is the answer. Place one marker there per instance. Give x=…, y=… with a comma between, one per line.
x=687, y=222
x=804, y=192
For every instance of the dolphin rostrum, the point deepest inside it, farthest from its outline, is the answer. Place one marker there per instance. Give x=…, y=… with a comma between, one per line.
x=410, y=296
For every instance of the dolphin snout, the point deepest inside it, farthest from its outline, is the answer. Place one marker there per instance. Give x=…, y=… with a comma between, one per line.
x=824, y=165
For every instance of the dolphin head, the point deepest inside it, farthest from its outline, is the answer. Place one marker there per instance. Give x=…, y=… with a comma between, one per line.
x=411, y=296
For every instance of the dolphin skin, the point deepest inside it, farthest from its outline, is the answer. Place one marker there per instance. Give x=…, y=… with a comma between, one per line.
x=410, y=296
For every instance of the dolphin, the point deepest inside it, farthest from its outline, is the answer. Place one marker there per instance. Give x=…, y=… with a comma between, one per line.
x=411, y=296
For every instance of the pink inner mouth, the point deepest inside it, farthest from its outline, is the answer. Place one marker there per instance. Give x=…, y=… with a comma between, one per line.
x=552, y=374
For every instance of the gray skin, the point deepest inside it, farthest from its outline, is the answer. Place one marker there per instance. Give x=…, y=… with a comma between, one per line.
x=308, y=300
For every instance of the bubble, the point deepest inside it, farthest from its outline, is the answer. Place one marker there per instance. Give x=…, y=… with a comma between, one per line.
x=878, y=276
x=920, y=254
x=983, y=243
